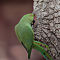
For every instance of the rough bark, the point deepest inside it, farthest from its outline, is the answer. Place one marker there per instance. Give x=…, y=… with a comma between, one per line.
x=48, y=26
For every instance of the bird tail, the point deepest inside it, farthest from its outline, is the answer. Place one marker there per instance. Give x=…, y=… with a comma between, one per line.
x=41, y=44
x=43, y=52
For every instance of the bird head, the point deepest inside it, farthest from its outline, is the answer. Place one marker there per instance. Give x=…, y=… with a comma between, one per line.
x=29, y=18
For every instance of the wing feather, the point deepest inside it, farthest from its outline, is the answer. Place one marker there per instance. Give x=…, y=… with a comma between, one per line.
x=25, y=35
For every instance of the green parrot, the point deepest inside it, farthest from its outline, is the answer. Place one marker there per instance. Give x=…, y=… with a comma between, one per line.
x=25, y=35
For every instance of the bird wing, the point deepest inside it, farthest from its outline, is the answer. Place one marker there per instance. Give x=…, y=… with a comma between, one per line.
x=25, y=35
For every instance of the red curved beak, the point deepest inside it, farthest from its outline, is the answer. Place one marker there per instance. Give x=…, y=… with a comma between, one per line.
x=34, y=17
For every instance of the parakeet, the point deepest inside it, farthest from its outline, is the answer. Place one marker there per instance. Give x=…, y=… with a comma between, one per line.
x=25, y=35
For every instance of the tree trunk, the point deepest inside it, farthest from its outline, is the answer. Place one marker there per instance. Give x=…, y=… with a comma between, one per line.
x=48, y=26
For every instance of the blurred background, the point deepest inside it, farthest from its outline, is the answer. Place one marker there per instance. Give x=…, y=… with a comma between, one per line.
x=10, y=13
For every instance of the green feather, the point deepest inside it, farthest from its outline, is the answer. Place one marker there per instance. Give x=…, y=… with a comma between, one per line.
x=43, y=52
x=24, y=32
x=25, y=35
x=41, y=44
